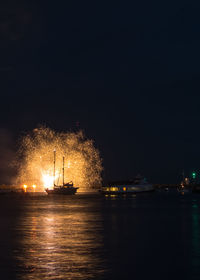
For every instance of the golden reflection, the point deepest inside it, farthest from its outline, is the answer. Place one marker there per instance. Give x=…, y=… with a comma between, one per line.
x=34, y=228
x=113, y=196
x=61, y=240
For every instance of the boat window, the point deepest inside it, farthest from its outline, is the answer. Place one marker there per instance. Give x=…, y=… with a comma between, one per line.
x=114, y=189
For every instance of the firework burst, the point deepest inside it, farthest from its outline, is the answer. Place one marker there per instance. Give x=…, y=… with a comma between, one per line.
x=83, y=164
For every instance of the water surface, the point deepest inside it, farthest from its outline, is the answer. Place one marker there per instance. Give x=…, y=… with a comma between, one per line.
x=154, y=236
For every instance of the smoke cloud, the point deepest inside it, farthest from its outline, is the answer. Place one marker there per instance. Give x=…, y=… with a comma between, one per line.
x=7, y=156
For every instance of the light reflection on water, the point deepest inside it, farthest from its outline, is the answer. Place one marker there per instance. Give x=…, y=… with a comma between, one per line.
x=61, y=240
x=154, y=236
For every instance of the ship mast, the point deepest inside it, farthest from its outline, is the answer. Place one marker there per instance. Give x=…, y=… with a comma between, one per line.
x=63, y=171
x=54, y=168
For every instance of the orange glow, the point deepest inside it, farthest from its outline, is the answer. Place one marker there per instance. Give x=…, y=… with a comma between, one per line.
x=48, y=180
x=25, y=187
x=83, y=165
x=34, y=187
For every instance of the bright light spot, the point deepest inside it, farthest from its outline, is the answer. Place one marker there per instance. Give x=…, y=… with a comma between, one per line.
x=114, y=189
x=25, y=187
x=48, y=181
x=34, y=187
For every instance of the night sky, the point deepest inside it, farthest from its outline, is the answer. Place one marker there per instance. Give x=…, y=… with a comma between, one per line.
x=127, y=71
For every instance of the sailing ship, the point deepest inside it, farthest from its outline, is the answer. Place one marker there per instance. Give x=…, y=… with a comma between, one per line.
x=65, y=188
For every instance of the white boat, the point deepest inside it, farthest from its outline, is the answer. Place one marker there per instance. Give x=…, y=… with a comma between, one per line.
x=137, y=185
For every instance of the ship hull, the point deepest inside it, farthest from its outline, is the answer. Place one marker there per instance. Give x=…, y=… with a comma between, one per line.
x=62, y=191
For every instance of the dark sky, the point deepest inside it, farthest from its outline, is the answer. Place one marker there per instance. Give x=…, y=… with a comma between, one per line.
x=127, y=71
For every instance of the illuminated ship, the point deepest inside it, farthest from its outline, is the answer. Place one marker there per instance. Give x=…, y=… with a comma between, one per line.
x=185, y=185
x=191, y=184
x=137, y=185
x=65, y=188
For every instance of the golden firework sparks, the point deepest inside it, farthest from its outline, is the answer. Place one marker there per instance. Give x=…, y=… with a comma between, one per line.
x=83, y=164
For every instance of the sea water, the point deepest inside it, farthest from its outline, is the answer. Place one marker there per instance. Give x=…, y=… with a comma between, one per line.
x=144, y=236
